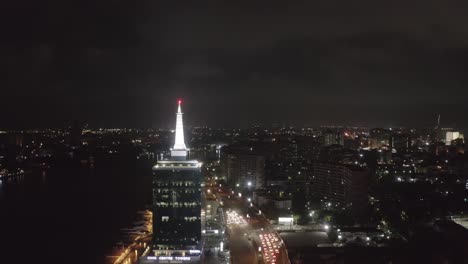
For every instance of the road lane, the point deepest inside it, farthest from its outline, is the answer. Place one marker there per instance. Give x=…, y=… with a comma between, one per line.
x=241, y=248
x=238, y=225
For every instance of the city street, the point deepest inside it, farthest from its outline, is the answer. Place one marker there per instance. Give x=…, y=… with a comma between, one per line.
x=242, y=250
x=251, y=238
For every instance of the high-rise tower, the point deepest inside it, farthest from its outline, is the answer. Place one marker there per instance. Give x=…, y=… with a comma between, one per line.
x=177, y=202
x=179, y=152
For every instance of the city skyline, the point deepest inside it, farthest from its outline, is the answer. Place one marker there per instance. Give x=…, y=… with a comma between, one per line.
x=234, y=132
x=234, y=196
x=426, y=122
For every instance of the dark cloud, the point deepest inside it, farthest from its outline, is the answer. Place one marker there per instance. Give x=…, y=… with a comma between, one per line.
x=308, y=62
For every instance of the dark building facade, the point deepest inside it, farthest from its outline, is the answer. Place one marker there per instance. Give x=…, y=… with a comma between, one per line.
x=347, y=185
x=247, y=170
x=177, y=205
x=331, y=137
x=400, y=142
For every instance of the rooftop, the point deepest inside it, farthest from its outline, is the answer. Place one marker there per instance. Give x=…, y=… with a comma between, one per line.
x=177, y=164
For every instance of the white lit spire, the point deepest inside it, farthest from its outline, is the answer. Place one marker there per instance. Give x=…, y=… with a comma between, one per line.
x=179, y=150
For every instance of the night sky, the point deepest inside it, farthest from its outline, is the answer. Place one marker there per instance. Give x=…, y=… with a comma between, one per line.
x=125, y=63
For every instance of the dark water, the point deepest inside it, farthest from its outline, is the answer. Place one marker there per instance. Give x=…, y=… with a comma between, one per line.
x=71, y=214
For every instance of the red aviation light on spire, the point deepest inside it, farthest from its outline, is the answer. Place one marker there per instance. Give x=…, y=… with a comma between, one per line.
x=179, y=101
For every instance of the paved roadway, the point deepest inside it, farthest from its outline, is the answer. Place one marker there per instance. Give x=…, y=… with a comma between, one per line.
x=213, y=258
x=212, y=243
x=242, y=250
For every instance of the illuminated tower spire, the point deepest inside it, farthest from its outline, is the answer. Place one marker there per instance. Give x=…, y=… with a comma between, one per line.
x=180, y=150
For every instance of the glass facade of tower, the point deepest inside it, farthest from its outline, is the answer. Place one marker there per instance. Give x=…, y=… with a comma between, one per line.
x=177, y=205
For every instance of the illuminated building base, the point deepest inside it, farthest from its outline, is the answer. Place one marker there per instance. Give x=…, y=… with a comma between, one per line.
x=170, y=259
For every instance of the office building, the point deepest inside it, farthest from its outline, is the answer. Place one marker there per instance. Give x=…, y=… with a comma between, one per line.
x=245, y=170
x=338, y=183
x=177, y=202
x=332, y=138
x=451, y=136
x=400, y=142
